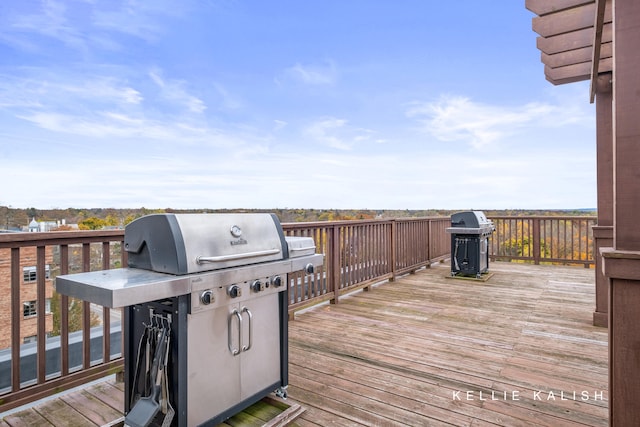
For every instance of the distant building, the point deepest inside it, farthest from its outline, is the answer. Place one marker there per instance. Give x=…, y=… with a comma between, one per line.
x=27, y=281
x=46, y=226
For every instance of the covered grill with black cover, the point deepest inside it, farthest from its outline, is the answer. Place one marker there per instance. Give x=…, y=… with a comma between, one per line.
x=470, y=232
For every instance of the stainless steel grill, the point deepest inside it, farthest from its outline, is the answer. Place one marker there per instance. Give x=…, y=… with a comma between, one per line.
x=208, y=294
x=470, y=232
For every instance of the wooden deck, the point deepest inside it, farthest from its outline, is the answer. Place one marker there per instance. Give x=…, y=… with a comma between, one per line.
x=427, y=349
x=432, y=350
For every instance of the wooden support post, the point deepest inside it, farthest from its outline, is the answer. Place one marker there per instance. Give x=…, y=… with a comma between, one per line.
x=603, y=232
x=622, y=263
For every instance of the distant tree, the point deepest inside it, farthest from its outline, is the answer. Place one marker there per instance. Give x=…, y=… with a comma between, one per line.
x=130, y=218
x=112, y=220
x=75, y=315
x=92, y=223
x=64, y=227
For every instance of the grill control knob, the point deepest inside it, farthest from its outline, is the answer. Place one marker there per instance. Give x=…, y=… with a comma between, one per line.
x=257, y=286
x=309, y=268
x=276, y=281
x=234, y=291
x=206, y=297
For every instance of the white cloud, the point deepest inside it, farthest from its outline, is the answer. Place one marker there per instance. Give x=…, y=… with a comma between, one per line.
x=174, y=90
x=228, y=101
x=279, y=124
x=42, y=89
x=50, y=21
x=84, y=25
x=336, y=133
x=456, y=118
x=128, y=20
x=325, y=74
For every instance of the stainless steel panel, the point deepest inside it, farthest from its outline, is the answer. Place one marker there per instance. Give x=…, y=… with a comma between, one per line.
x=299, y=246
x=121, y=287
x=229, y=359
x=260, y=366
x=192, y=243
x=213, y=383
x=128, y=286
x=229, y=237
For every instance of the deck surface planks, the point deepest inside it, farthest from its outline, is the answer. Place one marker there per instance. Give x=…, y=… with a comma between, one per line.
x=398, y=354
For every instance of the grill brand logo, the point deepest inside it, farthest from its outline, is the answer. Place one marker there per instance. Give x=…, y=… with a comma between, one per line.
x=236, y=231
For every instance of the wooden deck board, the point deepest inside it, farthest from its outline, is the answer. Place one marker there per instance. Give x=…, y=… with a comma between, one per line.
x=422, y=338
x=428, y=350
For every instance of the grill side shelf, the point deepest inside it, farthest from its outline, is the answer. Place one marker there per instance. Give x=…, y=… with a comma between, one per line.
x=128, y=286
x=122, y=287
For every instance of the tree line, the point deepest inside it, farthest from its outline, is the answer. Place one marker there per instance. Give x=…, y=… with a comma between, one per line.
x=99, y=218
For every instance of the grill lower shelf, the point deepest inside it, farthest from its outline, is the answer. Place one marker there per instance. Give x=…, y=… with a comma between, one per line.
x=268, y=412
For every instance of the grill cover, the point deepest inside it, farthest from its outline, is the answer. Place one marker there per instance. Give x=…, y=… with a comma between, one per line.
x=192, y=243
x=470, y=222
x=469, y=219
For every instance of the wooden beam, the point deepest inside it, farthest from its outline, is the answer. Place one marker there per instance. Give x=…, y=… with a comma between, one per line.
x=573, y=40
x=576, y=72
x=566, y=21
x=576, y=56
x=544, y=7
x=597, y=45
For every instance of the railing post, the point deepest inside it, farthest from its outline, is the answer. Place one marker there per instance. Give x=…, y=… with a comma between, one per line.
x=334, y=254
x=394, y=249
x=536, y=241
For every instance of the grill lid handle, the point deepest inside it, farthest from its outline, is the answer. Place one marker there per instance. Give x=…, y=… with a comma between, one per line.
x=222, y=258
x=306, y=248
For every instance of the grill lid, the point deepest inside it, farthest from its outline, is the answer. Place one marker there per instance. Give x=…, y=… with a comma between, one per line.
x=192, y=243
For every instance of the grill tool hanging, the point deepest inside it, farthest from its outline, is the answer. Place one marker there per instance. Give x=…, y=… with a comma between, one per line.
x=146, y=408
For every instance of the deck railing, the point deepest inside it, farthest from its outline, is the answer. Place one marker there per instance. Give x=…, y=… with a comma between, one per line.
x=357, y=255
x=26, y=369
x=544, y=239
x=361, y=253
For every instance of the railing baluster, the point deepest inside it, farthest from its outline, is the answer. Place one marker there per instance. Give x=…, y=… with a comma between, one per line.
x=86, y=311
x=64, y=314
x=106, y=313
x=16, y=315
x=41, y=339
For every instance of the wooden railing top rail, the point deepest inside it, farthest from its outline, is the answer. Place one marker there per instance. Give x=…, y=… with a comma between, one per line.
x=12, y=240
x=292, y=225
x=548, y=217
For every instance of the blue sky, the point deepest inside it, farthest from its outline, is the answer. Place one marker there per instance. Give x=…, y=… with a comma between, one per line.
x=377, y=104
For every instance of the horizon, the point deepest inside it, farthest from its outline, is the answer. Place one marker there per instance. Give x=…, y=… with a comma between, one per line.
x=327, y=104
x=292, y=209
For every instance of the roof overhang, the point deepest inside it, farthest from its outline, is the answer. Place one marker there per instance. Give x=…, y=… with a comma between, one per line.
x=575, y=39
